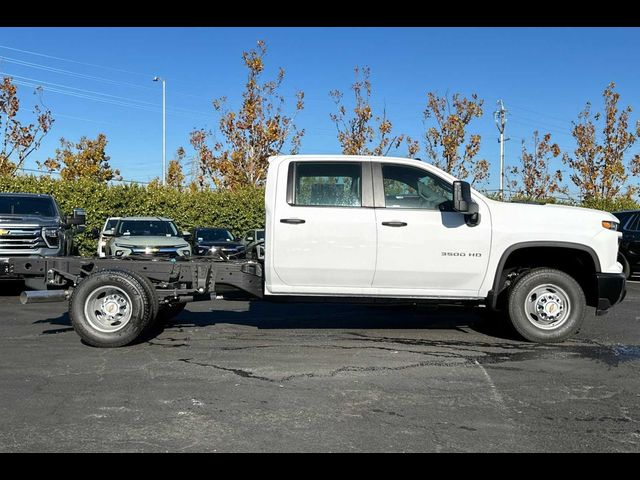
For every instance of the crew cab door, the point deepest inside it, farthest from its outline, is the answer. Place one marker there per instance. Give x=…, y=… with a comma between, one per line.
x=323, y=235
x=424, y=247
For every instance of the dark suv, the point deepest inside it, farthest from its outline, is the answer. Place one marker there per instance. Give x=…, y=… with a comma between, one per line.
x=211, y=241
x=629, y=253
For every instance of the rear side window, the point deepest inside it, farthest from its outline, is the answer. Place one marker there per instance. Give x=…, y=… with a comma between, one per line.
x=337, y=184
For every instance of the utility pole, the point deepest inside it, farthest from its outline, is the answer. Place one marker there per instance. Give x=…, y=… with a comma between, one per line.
x=500, y=117
x=164, y=129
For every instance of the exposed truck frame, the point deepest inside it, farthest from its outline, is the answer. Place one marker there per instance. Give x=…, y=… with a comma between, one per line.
x=163, y=287
x=173, y=281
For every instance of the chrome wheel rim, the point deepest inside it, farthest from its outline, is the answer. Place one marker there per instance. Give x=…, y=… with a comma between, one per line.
x=108, y=309
x=547, y=307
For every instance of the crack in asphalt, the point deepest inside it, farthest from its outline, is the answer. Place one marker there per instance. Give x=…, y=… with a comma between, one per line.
x=236, y=371
x=347, y=368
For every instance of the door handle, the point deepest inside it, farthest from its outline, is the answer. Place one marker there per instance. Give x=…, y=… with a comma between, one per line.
x=394, y=224
x=293, y=221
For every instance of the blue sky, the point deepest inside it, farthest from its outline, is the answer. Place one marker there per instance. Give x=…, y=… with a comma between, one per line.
x=544, y=76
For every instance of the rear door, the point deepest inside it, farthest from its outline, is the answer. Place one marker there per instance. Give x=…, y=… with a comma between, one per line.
x=424, y=247
x=324, y=231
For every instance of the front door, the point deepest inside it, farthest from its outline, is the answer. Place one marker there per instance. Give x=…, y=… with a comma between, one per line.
x=424, y=247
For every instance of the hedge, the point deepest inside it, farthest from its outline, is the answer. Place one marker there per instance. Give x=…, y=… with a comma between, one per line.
x=238, y=210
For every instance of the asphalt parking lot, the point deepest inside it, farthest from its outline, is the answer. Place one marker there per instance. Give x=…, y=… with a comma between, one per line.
x=239, y=376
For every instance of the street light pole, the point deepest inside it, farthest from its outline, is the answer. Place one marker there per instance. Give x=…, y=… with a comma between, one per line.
x=164, y=128
x=500, y=117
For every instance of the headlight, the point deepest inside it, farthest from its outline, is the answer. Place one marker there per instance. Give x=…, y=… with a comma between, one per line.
x=51, y=237
x=610, y=225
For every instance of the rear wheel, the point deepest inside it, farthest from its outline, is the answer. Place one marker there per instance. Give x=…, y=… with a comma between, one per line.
x=110, y=308
x=546, y=305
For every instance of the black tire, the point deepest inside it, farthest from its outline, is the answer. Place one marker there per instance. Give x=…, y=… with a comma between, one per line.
x=561, y=285
x=154, y=303
x=626, y=268
x=140, y=308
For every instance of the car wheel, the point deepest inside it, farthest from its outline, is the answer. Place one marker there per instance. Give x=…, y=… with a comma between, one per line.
x=546, y=305
x=110, y=308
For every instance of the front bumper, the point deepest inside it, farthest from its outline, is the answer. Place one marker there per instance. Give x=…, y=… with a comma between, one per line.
x=611, y=290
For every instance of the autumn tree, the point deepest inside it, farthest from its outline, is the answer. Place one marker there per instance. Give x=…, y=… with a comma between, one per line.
x=598, y=163
x=447, y=144
x=258, y=129
x=534, y=178
x=19, y=140
x=360, y=132
x=175, y=175
x=85, y=159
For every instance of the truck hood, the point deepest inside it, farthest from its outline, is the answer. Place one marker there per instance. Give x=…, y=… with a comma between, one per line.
x=28, y=220
x=548, y=222
x=151, y=241
x=550, y=209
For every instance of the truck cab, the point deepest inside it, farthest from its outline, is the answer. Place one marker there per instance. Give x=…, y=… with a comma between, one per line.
x=382, y=227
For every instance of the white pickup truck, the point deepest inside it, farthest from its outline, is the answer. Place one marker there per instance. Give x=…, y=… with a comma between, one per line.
x=370, y=229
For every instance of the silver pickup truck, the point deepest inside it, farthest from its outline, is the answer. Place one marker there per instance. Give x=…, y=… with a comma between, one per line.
x=32, y=225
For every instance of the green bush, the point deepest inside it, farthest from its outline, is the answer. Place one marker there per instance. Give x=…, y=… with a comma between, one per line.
x=615, y=205
x=238, y=210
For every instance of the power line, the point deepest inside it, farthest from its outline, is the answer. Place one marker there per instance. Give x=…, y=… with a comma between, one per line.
x=117, y=97
x=71, y=73
x=98, y=66
x=41, y=172
x=110, y=101
x=74, y=61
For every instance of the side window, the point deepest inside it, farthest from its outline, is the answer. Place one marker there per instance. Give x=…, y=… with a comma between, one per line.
x=411, y=187
x=634, y=224
x=336, y=184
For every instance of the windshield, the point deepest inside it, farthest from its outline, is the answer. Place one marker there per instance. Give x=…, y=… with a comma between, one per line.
x=111, y=223
x=214, y=235
x=42, y=206
x=146, y=228
x=260, y=235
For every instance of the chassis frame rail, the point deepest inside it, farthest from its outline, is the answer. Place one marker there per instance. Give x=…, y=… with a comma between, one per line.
x=184, y=279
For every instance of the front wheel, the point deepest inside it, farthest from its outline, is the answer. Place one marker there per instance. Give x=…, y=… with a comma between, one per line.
x=546, y=305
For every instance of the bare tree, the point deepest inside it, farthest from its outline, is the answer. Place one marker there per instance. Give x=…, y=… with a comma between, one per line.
x=260, y=128
x=19, y=140
x=359, y=131
x=450, y=118
x=598, y=164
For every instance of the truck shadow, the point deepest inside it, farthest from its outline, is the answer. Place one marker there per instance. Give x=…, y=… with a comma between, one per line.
x=273, y=316
x=267, y=315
